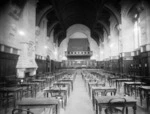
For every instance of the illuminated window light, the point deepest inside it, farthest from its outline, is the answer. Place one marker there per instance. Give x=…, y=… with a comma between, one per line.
x=45, y=47
x=111, y=45
x=21, y=33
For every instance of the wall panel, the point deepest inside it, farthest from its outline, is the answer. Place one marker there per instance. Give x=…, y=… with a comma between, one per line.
x=8, y=64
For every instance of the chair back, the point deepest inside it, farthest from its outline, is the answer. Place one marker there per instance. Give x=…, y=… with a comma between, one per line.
x=21, y=111
x=116, y=106
x=56, y=93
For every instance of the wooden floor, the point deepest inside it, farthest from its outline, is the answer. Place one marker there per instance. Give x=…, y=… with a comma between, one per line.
x=79, y=101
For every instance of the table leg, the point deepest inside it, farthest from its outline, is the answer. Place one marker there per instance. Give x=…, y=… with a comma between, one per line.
x=134, y=109
x=140, y=91
x=47, y=94
x=96, y=107
x=93, y=97
x=116, y=84
x=100, y=110
x=28, y=111
x=57, y=109
x=126, y=110
x=125, y=88
x=135, y=88
x=147, y=99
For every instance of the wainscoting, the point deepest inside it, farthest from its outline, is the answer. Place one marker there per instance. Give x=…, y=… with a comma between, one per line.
x=8, y=64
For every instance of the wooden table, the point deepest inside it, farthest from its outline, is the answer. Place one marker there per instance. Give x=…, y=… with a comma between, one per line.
x=102, y=102
x=64, y=84
x=50, y=80
x=119, y=82
x=111, y=80
x=30, y=87
x=41, y=81
x=63, y=90
x=129, y=85
x=146, y=90
x=102, y=89
x=67, y=80
x=94, y=84
x=87, y=81
x=14, y=90
x=8, y=90
x=29, y=103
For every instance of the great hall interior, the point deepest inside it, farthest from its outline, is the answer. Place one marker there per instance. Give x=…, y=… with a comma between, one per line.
x=74, y=57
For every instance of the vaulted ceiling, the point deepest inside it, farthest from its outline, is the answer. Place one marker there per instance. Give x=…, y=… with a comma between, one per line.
x=61, y=14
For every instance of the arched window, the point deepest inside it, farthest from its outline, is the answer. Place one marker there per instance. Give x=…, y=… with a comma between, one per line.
x=137, y=33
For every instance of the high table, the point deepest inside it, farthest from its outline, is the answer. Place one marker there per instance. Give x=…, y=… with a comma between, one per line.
x=102, y=102
x=29, y=103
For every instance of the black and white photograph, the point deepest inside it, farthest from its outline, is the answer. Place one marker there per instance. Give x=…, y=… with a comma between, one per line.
x=74, y=57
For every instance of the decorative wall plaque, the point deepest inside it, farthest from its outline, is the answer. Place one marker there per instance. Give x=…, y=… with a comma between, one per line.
x=31, y=48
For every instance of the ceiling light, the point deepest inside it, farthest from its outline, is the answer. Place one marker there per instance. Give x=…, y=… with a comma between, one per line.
x=111, y=45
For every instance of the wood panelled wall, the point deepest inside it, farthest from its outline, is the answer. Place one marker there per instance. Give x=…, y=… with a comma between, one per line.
x=55, y=65
x=136, y=65
x=41, y=65
x=8, y=64
x=47, y=66
x=141, y=64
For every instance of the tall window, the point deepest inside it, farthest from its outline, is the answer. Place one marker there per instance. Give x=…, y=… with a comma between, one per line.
x=137, y=34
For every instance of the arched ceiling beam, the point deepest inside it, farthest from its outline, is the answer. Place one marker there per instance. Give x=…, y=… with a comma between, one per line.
x=42, y=14
x=114, y=12
x=100, y=35
x=59, y=37
x=75, y=2
x=127, y=6
x=106, y=28
x=52, y=27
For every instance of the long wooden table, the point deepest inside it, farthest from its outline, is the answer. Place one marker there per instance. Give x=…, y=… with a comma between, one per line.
x=30, y=103
x=102, y=102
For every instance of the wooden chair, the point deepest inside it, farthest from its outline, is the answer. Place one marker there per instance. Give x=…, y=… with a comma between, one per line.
x=21, y=111
x=116, y=106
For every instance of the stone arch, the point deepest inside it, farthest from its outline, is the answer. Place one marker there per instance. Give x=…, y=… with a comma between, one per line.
x=52, y=27
x=106, y=28
x=127, y=8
